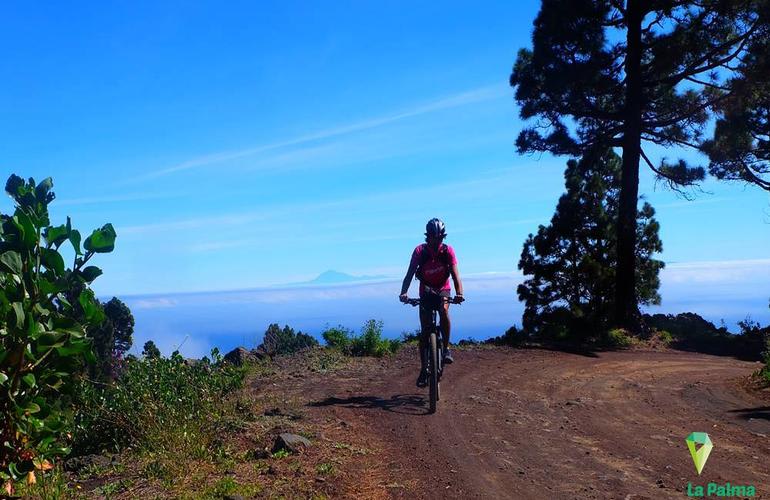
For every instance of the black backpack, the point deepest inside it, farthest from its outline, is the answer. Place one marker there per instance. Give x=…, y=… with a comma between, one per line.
x=443, y=257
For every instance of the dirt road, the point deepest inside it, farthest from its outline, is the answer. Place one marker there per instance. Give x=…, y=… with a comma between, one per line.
x=543, y=424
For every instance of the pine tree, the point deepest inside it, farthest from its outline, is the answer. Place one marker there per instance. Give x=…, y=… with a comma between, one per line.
x=571, y=263
x=740, y=149
x=627, y=73
x=150, y=350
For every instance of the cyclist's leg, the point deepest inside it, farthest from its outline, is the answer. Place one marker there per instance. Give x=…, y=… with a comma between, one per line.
x=446, y=324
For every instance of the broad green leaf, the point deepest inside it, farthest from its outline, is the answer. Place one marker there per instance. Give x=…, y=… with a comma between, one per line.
x=56, y=235
x=91, y=309
x=90, y=273
x=74, y=332
x=76, y=347
x=34, y=329
x=14, y=186
x=52, y=260
x=18, y=310
x=3, y=378
x=32, y=408
x=101, y=240
x=75, y=240
x=29, y=379
x=26, y=224
x=42, y=311
x=12, y=261
x=90, y=357
x=43, y=191
x=15, y=474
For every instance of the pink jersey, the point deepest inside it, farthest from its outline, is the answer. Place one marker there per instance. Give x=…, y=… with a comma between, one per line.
x=434, y=272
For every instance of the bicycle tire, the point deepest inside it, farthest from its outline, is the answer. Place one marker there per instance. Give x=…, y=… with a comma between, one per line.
x=433, y=375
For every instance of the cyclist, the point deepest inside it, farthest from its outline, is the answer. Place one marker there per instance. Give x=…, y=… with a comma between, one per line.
x=433, y=262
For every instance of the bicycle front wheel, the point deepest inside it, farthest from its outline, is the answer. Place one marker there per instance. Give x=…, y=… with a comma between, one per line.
x=433, y=375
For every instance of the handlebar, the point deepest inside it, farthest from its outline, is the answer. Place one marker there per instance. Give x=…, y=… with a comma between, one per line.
x=416, y=302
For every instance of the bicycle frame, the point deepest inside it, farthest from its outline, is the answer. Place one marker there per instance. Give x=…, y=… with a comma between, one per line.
x=433, y=351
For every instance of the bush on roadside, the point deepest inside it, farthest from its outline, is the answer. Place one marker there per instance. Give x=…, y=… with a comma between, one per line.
x=371, y=343
x=512, y=337
x=338, y=337
x=368, y=343
x=157, y=404
x=620, y=338
x=665, y=337
x=285, y=341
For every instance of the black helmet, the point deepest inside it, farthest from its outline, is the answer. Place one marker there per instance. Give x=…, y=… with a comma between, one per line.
x=435, y=227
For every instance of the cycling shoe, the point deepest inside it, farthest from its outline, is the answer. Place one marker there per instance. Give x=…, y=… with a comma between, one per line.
x=422, y=379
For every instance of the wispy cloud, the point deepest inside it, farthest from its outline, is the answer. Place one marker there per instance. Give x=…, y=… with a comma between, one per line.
x=745, y=272
x=115, y=198
x=477, y=95
x=155, y=303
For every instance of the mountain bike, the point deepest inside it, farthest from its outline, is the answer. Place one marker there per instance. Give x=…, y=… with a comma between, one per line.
x=433, y=352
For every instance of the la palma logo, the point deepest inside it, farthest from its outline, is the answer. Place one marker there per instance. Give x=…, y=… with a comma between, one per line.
x=700, y=447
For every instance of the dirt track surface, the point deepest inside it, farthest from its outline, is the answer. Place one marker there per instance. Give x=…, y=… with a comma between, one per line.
x=543, y=424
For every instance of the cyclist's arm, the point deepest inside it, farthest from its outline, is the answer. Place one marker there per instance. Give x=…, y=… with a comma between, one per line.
x=457, y=281
x=408, y=278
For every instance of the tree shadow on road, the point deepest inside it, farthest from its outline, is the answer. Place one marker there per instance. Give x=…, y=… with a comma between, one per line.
x=407, y=404
x=760, y=412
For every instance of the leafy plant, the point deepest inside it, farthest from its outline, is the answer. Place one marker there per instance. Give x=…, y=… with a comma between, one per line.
x=45, y=309
x=618, y=337
x=339, y=338
x=368, y=343
x=371, y=343
x=159, y=404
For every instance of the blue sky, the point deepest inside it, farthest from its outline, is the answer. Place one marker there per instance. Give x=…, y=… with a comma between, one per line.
x=252, y=143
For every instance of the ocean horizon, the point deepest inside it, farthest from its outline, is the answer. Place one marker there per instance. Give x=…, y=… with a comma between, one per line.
x=196, y=322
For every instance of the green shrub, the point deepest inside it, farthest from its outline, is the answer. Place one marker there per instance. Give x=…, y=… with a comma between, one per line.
x=368, y=343
x=512, y=337
x=45, y=310
x=285, y=341
x=764, y=372
x=371, y=343
x=665, y=337
x=618, y=337
x=157, y=404
x=339, y=338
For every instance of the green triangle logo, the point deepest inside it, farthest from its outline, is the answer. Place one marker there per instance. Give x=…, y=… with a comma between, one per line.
x=699, y=455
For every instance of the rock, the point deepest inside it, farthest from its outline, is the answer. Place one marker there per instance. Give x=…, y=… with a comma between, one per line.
x=280, y=412
x=260, y=454
x=290, y=442
x=239, y=356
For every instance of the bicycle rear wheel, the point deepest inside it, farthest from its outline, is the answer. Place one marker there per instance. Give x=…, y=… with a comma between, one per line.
x=433, y=375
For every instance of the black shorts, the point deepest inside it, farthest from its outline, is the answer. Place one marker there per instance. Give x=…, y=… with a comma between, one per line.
x=432, y=301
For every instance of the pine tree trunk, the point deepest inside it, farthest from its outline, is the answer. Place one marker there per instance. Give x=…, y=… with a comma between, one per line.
x=626, y=307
